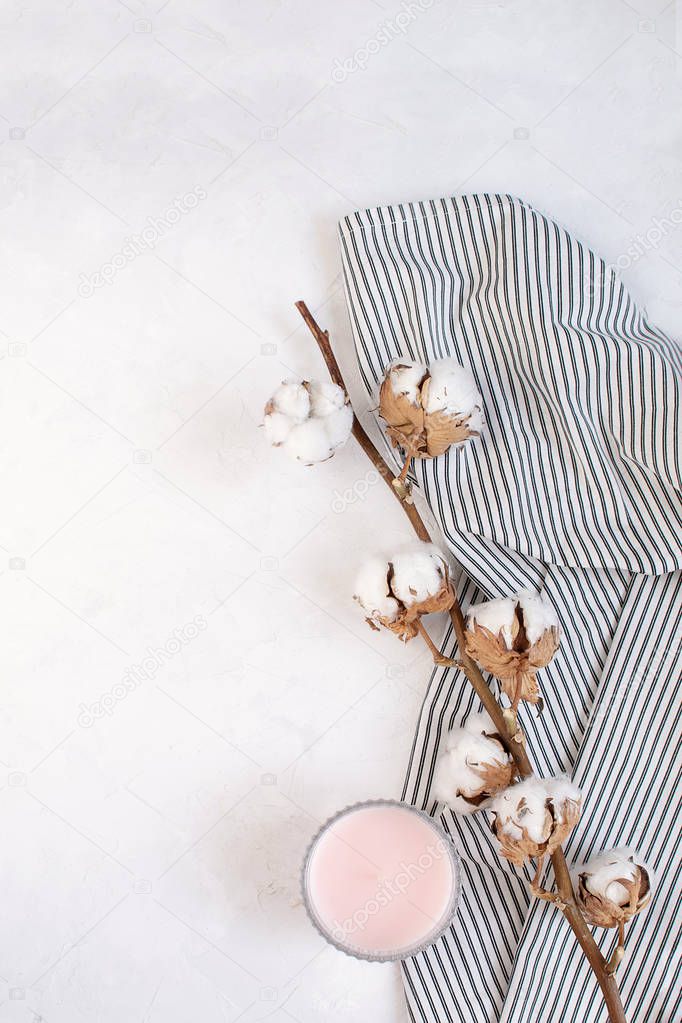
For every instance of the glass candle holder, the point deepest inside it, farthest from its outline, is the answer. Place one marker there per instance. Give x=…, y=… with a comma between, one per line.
x=381, y=880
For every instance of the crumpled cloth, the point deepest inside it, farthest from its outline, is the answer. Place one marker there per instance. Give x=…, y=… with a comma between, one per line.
x=572, y=489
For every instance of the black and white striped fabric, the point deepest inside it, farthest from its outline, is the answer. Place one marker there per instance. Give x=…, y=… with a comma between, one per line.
x=573, y=489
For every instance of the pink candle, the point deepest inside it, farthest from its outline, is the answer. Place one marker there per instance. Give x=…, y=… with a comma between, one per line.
x=381, y=880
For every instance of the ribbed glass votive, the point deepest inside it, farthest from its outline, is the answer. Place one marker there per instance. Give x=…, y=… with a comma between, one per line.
x=381, y=880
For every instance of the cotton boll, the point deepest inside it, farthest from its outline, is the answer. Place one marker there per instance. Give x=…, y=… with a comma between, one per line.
x=338, y=425
x=428, y=410
x=512, y=638
x=612, y=887
x=455, y=777
x=497, y=616
x=372, y=590
x=325, y=397
x=308, y=442
x=470, y=769
x=406, y=378
x=416, y=581
x=533, y=817
x=309, y=420
x=418, y=573
x=277, y=427
x=538, y=615
x=452, y=389
x=293, y=400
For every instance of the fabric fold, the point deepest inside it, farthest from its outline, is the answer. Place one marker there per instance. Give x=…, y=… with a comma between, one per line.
x=572, y=454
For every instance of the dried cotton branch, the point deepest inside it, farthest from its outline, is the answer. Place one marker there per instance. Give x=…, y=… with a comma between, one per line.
x=563, y=810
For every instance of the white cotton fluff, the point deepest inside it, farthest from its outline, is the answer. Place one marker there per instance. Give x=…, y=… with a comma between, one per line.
x=532, y=816
x=372, y=590
x=480, y=724
x=475, y=422
x=538, y=614
x=498, y=615
x=308, y=442
x=277, y=426
x=602, y=872
x=308, y=420
x=325, y=397
x=293, y=400
x=406, y=377
x=455, y=774
x=562, y=792
x=418, y=572
x=338, y=425
x=495, y=615
x=452, y=389
x=465, y=748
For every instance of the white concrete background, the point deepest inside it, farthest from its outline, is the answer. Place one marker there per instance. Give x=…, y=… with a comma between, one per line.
x=148, y=862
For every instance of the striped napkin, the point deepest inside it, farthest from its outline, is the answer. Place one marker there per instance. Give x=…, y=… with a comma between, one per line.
x=573, y=489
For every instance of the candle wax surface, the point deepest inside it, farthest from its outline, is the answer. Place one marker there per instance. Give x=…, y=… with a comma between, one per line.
x=380, y=880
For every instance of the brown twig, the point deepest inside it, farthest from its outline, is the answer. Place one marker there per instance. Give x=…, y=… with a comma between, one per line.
x=322, y=338
x=541, y=893
x=438, y=658
x=401, y=484
x=603, y=970
x=619, y=950
x=405, y=469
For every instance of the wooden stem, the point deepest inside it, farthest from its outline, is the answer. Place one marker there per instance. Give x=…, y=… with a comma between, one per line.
x=517, y=693
x=566, y=897
x=405, y=469
x=619, y=950
x=438, y=658
x=541, y=893
x=322, y=338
